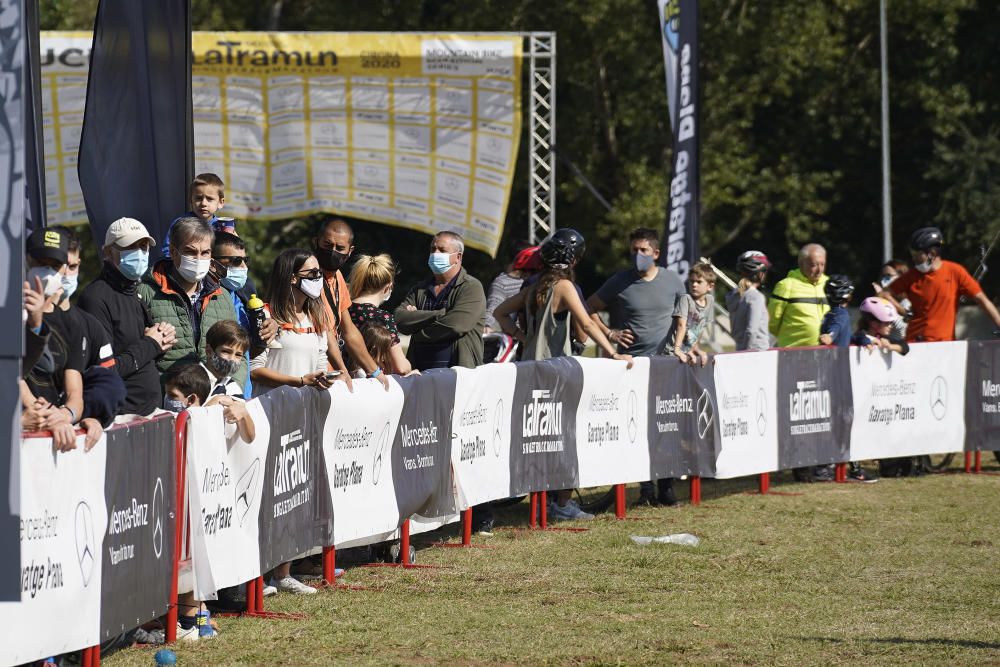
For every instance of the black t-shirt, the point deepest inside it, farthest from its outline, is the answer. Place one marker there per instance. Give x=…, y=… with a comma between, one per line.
x=64, y=352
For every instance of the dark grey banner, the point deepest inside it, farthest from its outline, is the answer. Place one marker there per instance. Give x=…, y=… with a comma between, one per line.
x=141, y=495
x=421, y=449
x=815, y=407
x=683, y=427
x=982, y=396
x=296, y=514
x=543, y=426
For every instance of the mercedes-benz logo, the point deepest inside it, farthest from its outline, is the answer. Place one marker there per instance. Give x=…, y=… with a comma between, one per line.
x=761, y=411
x=498, y=427
x=158, y=518
x=86, y=545
x=706, y=413
x=383, y=441
x=632, y=415
x=939, y=398
x=246, y=490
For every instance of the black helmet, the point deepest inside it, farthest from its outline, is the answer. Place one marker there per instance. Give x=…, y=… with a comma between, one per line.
x=838, y=289
x=926, y=238
x=573, y=239
x=557, y=253
x=752, y=262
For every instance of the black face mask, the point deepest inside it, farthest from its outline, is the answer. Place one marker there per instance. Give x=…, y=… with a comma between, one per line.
x=329, y=259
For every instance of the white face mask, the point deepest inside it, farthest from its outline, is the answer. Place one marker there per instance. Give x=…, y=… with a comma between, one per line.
x=311, y=287
x=192, y=269
x=925, y=266
x=51, y=280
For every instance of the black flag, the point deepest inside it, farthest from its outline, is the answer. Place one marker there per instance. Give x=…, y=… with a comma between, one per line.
x=136, y=148
x=679, y=28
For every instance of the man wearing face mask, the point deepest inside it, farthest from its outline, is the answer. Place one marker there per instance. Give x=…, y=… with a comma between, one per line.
x=180, y=292
x=444, y=316
x=332, y=247
x=640, y=303
x=112, y=298
x=934, y=289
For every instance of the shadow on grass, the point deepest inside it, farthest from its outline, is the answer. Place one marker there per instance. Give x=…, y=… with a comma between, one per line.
x=931, y=641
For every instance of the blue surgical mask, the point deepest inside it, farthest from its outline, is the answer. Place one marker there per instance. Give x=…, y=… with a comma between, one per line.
x=69, y=285
x=134, y=263
x=642, y=262
x=439, y=262
x=235, y=278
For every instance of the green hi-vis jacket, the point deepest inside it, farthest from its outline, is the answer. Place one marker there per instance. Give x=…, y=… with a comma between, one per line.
x=796, y=309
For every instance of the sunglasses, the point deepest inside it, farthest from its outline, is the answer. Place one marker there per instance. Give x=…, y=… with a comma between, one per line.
x=311, y=275
x=233, y=260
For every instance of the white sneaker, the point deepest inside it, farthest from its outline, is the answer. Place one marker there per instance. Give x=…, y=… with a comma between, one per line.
x=270, y=590
x=292, y=585
x=187, y=635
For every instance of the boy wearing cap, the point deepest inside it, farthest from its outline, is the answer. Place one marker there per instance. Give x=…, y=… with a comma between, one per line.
x=112, y=298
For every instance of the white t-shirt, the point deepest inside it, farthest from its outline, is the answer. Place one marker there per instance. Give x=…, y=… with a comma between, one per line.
x=302, y=352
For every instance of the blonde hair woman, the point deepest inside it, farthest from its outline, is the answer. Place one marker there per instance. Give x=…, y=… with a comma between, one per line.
x=372, y=280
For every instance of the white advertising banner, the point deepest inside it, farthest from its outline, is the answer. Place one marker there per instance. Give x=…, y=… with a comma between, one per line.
x=225, y=480
x=908, y=405
x=480, y=431
x=612, y=445
x=63, y=522
x=746, y=387
x=357, y=443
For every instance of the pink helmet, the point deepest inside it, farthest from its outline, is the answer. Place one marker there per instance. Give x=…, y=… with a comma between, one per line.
x=878, y=308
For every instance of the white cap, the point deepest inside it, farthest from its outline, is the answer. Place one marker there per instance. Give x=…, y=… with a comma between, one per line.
x=123, y=232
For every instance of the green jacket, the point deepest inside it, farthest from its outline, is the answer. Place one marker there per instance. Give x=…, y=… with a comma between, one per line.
x=460, y=322
x=796, y=309
x=167, y=303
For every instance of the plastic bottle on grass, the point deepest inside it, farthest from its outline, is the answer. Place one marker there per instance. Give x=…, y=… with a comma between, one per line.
x=686, y=539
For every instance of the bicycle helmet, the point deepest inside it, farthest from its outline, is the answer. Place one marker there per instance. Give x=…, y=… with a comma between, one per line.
x=573, y=239
x=926, y=238
x=528, y=259
x=878, y=308
x=557, y=253
x=838, y=289
x=752, y=262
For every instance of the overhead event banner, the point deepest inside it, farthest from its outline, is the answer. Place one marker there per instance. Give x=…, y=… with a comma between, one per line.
x=679, y=35
x=414, y=130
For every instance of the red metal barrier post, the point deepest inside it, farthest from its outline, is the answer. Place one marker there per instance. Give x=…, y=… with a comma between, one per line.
x=180, y=446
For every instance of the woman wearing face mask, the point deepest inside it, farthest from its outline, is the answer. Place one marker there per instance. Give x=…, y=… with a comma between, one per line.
x=180, y=292
x=295, y=289
x=889, y=272
x=371, y=285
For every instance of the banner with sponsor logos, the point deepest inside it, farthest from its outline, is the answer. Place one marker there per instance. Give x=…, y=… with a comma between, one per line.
x=63, y=520
x=543, y=436
x=358, y=440
x=682, y=415
x=141, y=497
x=746, y=385
x=480, y=432
x=225, y=482
x=611, y=444
x=296, y=512
x=908, y=405
x=413, y=130
x=982, y=396
x=815, y=407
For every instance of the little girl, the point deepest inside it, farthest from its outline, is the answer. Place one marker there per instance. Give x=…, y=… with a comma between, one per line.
x=875, y=328
x=747, y=305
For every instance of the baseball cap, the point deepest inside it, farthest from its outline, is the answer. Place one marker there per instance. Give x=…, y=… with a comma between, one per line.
x=48, y=244
x=529, y=258
x=123, y=232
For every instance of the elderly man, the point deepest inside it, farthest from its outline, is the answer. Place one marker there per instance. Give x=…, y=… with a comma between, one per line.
x=444, y=315
x=798, y=303
x=796, y=310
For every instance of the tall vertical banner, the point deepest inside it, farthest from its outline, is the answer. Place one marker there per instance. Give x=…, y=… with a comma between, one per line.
x=679, y=32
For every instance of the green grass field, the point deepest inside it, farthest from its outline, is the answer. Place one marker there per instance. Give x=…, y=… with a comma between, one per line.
x=903, y=571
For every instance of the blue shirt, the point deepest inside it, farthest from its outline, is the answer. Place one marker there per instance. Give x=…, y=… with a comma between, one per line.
x=243, y=317
x=837, y=323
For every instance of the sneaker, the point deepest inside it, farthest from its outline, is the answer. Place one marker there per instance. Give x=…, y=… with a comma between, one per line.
x=667, y=495
x=187, y=634
x=269, y=590
x=571, y=511
x=822, y=474
x=485, y=529
x=290, y=584
x=149, y=637
x=647, y=499
x=856, y=473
